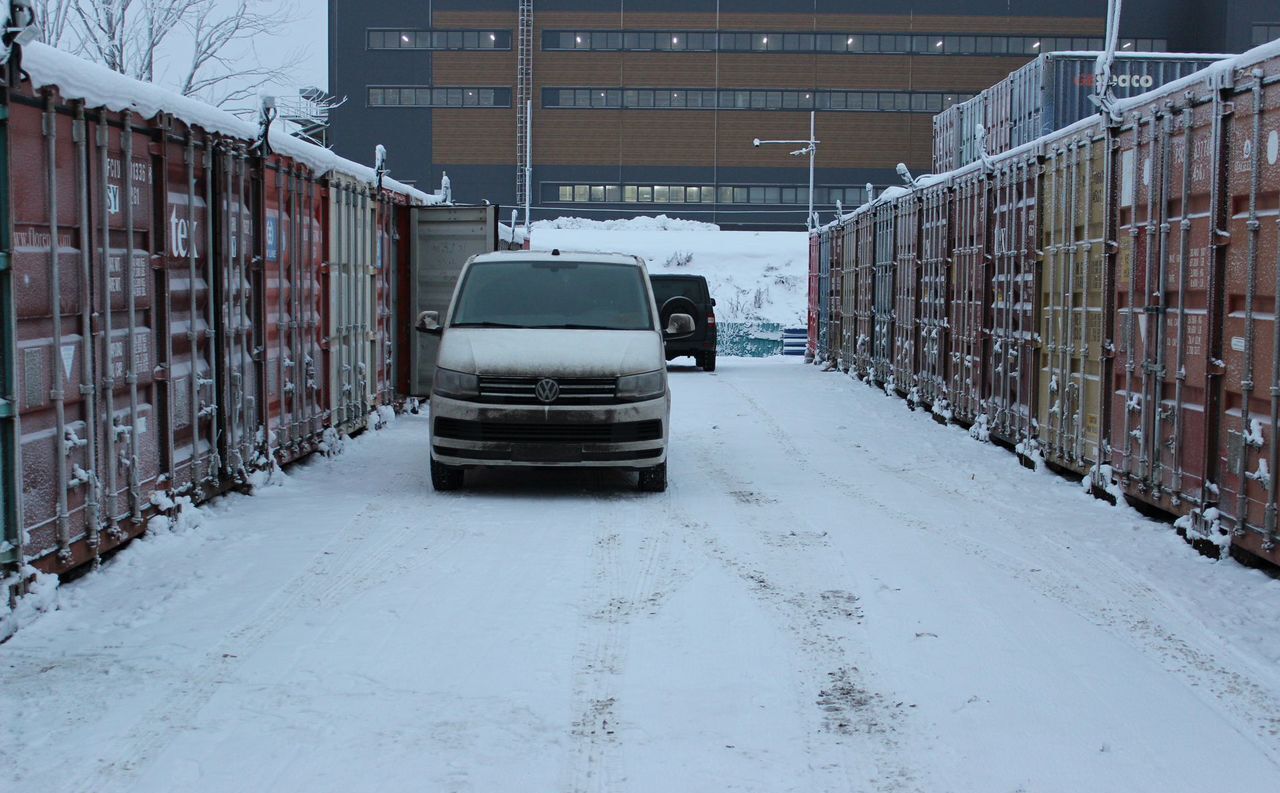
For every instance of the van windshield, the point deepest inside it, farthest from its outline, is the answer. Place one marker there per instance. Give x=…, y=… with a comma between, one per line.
x=553, y=294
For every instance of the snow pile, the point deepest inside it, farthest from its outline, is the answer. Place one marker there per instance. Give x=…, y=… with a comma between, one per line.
x=755, y=276
x=644, y=223
x=41, y=596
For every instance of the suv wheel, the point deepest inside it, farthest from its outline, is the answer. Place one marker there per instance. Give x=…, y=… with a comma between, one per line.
x=445, y=477
x=708, y=361
x=654, y=480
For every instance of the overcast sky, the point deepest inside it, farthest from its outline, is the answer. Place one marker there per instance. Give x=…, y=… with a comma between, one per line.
x=310, y=33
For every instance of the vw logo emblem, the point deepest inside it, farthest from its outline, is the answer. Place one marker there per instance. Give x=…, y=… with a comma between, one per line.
x=546, y=390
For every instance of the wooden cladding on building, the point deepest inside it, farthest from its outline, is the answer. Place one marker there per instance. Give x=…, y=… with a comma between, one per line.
x=474, y=136
x=706, y=138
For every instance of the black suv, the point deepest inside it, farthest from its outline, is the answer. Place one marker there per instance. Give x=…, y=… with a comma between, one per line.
x=688, y=294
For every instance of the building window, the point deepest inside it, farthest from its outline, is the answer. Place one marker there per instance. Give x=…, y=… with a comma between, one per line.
x=424, y=96
x=387, y=39
x=1264, y=32
x=748, y=99
x=827, y=43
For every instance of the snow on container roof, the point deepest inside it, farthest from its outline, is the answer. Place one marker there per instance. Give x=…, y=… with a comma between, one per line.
x=98, y=86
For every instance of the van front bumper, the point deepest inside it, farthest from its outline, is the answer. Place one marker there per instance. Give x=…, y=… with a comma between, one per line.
x=474, y=435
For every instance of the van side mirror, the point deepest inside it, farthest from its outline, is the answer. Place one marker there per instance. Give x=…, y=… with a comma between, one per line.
x=679, y=326
x=429, y=322
x=713, y=302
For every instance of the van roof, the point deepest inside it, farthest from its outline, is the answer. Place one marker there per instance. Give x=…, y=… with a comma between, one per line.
x=575, y=256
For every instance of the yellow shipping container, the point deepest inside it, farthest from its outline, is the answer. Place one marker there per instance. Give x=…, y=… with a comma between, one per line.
x=1075, y=296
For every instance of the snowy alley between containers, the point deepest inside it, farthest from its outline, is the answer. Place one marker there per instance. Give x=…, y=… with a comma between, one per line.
x=832, y=595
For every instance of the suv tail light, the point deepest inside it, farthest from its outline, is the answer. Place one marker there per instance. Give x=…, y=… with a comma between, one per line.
x=711, y=320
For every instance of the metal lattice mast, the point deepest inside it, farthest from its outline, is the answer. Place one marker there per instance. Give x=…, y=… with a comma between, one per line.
x=524, y=97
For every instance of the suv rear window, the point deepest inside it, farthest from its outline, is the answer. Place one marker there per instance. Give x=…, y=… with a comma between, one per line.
x=666, y=288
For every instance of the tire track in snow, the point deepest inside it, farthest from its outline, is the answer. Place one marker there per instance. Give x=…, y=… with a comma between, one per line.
x=344, y=567
x=623, y=587
x=1198, y=667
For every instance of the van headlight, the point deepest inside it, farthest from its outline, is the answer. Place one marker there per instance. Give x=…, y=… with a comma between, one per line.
x=635, y=387
x=459, y=385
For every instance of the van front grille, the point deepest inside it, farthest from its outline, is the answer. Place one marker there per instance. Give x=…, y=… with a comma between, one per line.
x=573, y=391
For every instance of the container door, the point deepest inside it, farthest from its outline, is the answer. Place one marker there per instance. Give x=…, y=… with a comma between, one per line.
x=1075, y=302
x=935, y=270
x=835, y=314
x=48, y=352
x=352, y=253
x=1014, y=295
x=885, y=264
x=824, y=290
x=865, y=265
x=848, y=295
x=384, y=280
x=188, y=397
x=443, y=239
x=906, y=294
x=1251, y=417
x=239, y=301
x=121, y=199
x=814, y=295
x=970, y=287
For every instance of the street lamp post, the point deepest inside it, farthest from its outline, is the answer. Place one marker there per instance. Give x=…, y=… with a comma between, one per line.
x=811, y=149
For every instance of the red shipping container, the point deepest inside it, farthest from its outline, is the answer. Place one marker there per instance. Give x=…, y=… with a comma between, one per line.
x=906, y=210
x=289, y=308
x=815, y=242
x=970, y=300
x=835, y=313
x=1166, y=318
x=864, y=230
x=848, y=295
x=883, y=295
x=1015, y=293
x=935, y=281
x=1248, y=447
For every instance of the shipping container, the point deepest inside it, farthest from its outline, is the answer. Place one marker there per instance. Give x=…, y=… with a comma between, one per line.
x=835, y=330
x=350, y=335
x=971, y=116
x=290, y=316
x=864, y=230
x=1015, y=326
x=885, y=262
x=1053, y=91
x=848, y=295
x=969, y=316
x=1167, y=314
x=389, y=261
x=815, y=296
x=935, y=291
x=1248, y=463
x=946, y=140
x=906, y=211
x=188, y=352
x=11, y=535
x=1075, y=300
x=824, y=296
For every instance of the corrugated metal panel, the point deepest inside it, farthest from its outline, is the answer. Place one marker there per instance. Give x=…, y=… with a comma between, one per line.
x=824, y=296
x=292, y=223
x=906, y=293
x=1166, y=312
x=835, y=313
x=1249, y=444
x=970, y=289
x=187, y=352
x=864, y=227
x=935, y=282
x=1075, y=298
x=885, y=264
x=1015, y=327
x=848, y=296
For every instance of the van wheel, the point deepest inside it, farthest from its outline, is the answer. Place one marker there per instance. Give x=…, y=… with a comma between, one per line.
x=445, y=477
x=654, y=480
x=708, y=362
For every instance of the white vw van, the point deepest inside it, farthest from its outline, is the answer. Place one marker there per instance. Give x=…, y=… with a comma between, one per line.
x=551, y=359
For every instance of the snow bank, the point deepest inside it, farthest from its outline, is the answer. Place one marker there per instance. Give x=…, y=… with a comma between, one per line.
x=645, y=223
x=755, y=276
x=41, y=596
x=98, y=86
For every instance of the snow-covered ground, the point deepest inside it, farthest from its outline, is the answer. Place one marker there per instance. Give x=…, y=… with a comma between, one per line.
x=755, y=276
x=834, y=594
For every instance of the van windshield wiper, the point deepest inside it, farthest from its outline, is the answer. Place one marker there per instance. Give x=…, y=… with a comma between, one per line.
x=485, y=325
